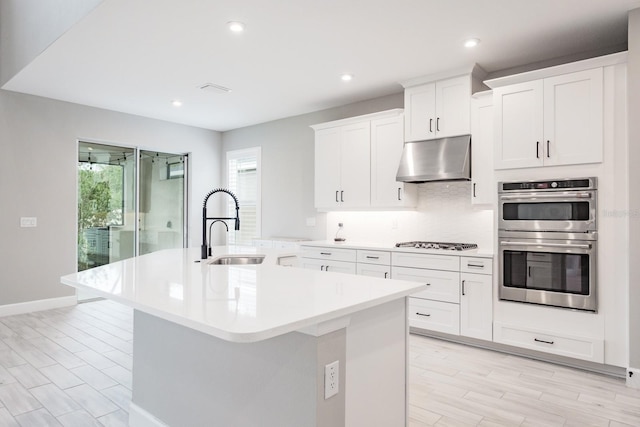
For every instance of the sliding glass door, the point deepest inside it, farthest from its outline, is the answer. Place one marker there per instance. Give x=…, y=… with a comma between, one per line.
x=130, y=202
x=106, y=204
x=162, y=201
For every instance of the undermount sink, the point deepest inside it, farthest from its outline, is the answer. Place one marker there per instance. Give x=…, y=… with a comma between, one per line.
x=237, y=259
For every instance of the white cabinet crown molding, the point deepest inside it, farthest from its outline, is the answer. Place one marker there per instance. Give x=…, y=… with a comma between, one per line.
x=358, y=119
x=586, y=64
x=474, y=70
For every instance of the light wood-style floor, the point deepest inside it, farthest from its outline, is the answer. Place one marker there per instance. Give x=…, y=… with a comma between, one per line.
x=72, y=367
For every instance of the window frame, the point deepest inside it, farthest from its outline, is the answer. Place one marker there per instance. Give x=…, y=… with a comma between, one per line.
x=255, y=152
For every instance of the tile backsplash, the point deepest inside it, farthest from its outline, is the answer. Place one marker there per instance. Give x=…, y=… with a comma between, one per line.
x=444, y=213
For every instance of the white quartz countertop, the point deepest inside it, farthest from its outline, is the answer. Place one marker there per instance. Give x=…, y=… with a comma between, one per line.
x=376, y=246
x=236, y=303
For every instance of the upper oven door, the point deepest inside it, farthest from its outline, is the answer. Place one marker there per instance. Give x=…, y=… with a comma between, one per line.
x=566, y=211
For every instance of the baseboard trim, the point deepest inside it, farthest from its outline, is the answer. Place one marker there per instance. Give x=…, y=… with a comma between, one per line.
x=38, y=305
x=138, y=417
x=613, y=371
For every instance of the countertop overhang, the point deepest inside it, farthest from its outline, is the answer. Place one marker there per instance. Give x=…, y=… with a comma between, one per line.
x=236, y=303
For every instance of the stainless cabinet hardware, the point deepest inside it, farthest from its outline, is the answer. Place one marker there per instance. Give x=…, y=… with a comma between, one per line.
x=399, y=194
x=325, y=253
x=326, y=268
x=463, y=287
x=561, y=195
x=438, y=124
x=548, y=149
x=428, y=284
x=337, y=201
x=537, y=149
x=372, y=257
x=475, y=265
x=422, y=314
x=474, y=189
x=431, y=125
x=322, y=268
x=543, y=341
x=386, y=274
x=342, y=196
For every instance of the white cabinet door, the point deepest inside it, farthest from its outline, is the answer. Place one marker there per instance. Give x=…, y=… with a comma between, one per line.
x=476, y=306
x=333, y=266
x=453, y=106
x=518, y=128
x=355, y=166
x=573, y=118
x=327, y=167
x=482, y=181
x=420, y=112
x=373, y=270
x=386, y=150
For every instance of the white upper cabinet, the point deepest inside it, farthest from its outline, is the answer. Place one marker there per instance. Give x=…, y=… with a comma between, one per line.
x=386, y=150
x=342, y=166
x=437, y=109
x=482, y=180
x=356, y=161
x=552, y=121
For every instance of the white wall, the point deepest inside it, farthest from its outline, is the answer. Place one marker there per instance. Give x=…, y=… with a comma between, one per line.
x=288, y=165
x=38, y=141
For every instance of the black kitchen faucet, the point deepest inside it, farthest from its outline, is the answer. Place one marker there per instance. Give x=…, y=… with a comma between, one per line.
x=205, y=250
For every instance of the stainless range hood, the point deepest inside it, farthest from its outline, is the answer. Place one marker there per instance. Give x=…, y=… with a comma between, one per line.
x=444, y=159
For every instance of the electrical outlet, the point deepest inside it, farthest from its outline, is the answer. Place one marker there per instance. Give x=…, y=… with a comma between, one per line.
x=26, y=221
x=331, y=379
x=633, y=378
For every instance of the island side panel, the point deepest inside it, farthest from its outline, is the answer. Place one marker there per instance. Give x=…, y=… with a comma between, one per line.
x=376, y=371
x=186, y=378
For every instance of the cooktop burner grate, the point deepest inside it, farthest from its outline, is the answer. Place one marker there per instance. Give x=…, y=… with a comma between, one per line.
x=438, y=245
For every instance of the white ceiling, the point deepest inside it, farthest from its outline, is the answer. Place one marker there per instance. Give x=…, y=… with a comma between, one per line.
x=136, y=56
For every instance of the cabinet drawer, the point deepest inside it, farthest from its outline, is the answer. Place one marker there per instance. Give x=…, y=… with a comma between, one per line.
x=328, y=253
x=328, y=265
x=476, y=265
x=434, y=315
x=577, y=347
x=374, y=257
x=439, y=285
x=434, y=262
x=373, y=270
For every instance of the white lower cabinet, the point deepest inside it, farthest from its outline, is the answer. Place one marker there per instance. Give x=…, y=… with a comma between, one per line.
x=438, y=285
x=434, y=315
x=328, y=265
x=585, y=348
x=476, y=302
x=373, y=270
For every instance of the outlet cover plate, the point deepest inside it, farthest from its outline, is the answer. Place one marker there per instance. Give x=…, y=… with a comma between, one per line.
x=331, y=379
x=28, y=221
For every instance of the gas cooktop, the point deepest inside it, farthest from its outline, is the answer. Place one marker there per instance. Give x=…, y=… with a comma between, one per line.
x=438, y=245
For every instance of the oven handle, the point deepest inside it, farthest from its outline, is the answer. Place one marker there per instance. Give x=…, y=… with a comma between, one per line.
x=549, y=245
x=564, y=195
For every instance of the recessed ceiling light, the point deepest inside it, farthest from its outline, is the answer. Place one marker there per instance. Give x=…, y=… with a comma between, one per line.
x=471, y=43
x=176, y=103
x=346, y=77
x=235, y=26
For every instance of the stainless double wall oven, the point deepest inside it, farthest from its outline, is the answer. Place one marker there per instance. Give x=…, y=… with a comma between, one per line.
x=547, y=239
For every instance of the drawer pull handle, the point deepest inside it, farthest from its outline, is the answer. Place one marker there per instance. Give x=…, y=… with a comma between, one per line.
x=422, y=314
x=428, y=284
x=325, y=253
x=373, y=257
x=475, y=265
x=546, y=342
x=386, y=274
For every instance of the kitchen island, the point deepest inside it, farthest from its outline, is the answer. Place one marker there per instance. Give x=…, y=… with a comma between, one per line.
x=245, y=345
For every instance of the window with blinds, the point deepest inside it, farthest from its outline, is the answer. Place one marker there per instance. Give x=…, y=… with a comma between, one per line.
x=243, y=175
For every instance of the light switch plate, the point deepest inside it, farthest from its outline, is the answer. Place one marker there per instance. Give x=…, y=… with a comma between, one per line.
x=28, y=221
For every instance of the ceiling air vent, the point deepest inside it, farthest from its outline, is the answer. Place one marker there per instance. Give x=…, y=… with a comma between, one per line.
x=214, y=87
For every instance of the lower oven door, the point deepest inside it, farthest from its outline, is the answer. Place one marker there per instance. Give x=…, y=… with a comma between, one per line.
x=556, y=269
